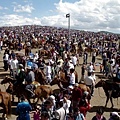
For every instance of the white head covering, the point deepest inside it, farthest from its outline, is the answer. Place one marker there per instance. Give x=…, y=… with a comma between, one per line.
x=86, y=93
x=20, y=65
x=70, y=86
x=115, y=114
x=52, y=96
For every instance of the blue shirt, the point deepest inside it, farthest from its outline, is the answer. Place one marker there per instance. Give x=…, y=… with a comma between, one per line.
x=23, y=109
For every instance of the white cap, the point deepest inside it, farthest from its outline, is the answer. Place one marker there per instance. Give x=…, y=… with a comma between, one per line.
x=115, y=114
x=20, y=65
x=70, y=86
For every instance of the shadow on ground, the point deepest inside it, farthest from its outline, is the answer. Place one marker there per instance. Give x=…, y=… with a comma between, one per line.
x=2, y=76
x=95, y=108
x=13, y=112
x=101, y=76
x=99, y=58
x=2, y=69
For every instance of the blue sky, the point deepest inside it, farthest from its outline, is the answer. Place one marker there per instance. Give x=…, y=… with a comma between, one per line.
x=90, y=15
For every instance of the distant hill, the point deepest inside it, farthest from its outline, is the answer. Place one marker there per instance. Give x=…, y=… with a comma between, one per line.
x=59, y=28
x=106, y=32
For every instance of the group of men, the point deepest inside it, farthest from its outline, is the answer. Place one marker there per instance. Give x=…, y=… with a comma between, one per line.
x=61, y=59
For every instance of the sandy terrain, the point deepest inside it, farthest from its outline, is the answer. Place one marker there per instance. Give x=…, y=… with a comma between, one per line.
x=96, y=101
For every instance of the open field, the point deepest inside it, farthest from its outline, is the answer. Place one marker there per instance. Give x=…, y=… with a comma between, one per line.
x=97, y=100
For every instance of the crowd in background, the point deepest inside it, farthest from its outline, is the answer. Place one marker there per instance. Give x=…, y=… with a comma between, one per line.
x=64, y=54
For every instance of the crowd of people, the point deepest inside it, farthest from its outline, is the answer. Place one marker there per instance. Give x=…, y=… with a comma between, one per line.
x=71, y=103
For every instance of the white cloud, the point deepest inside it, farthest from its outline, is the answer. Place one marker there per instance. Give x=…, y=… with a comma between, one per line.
x=25, y=8
x=5, y=8
x=92, y=15
x=15, y=20
x=1, y=7
x=90, y=12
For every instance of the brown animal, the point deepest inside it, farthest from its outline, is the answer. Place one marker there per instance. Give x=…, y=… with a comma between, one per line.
x=111, y=90
x=40, y=76
x=64, y=84
x=84, y=87
x=62, y=76
x=40, y=91
x=43, y=92
x=5, y=102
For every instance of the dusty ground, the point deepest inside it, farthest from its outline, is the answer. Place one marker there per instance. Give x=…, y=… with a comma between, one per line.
x=96, y=101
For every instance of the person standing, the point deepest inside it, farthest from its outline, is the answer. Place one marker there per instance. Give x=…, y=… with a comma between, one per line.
x=10, y=66
x=21, y=75
x=72, y=77
x=94, y=77
x=82, y=72
x=74, y=60
x=94, y=56
x=5, y=59
x=1, y=45
x=85, y=57
x=14, y=64
x=48, y=72
x=99, y=115
x=76, y=96
x=70, y=66
x=30, y=77
x=61, y=111
x=84, y=104
x=66, y=103
x=23, y=109
x=89, y=81
x=90, y=67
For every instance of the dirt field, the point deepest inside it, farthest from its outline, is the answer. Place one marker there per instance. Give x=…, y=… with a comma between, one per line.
x=97, y=100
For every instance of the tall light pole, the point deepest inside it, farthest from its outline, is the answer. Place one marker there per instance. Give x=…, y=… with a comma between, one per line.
x=68, y=16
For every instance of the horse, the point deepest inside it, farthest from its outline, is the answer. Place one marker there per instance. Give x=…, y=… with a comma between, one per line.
x=61, y=76
x=40, y=76
x=43, y=92
x=5, y=102
x=64, y=84
x=111, y=90
x=17, y=90
x=40, y=91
